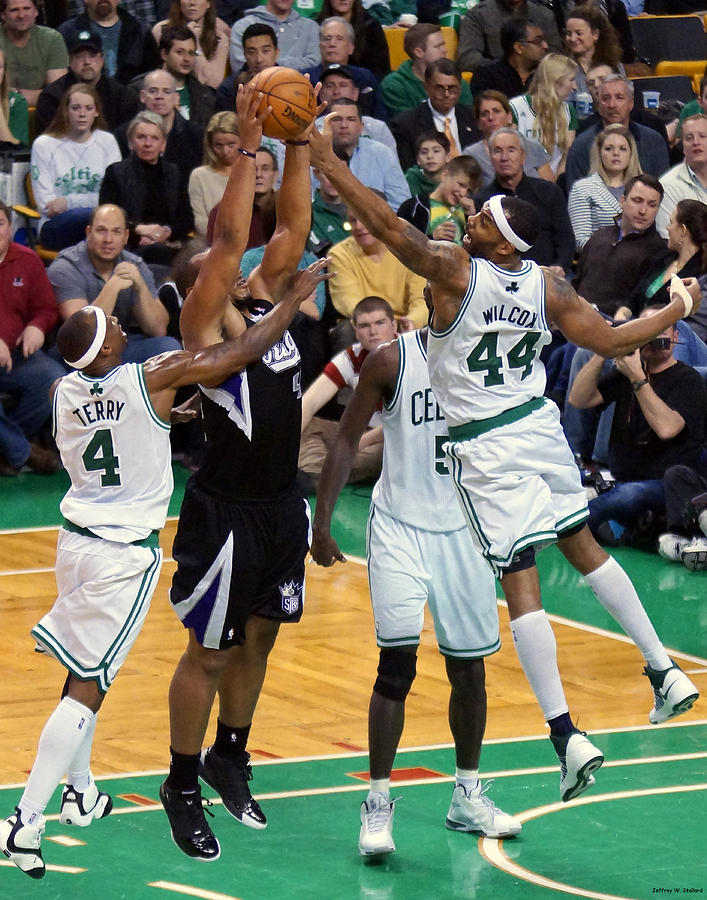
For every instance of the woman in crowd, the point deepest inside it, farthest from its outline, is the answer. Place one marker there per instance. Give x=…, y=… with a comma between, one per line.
x=150, y=191
x=69, y=162
x=492, y=110
x=208, y=182
x=595, y=201
x=591, y=41
x=212, y=37
x=370, y=45
x=544, y=113
x=686, y=256
x=14, y=119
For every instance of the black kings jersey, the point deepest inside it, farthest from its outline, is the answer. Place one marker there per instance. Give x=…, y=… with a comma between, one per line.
x=252, y=423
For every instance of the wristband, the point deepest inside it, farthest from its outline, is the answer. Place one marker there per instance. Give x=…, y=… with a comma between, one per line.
x=298, y=143
x=637, y=385
x=246, y=153
x=677, y=288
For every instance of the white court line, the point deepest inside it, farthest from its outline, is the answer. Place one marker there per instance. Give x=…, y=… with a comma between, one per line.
x=410, y=782
x=494, y=852
x=401, y=750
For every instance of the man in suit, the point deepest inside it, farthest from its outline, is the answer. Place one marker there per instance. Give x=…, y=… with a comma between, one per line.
x=440, y=111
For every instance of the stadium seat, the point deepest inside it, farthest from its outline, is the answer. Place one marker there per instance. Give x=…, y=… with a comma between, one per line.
x=659, y=38
x=693, y=68
x=395, y=37
x=670, y=87
x=30, y=214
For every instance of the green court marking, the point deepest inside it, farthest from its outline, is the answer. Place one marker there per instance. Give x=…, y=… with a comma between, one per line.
x=620, y=846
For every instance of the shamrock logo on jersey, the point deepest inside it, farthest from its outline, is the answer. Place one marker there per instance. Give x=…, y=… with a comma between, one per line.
x=512, y=287
x=96, y=389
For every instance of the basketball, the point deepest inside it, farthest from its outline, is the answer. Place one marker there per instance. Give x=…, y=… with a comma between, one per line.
x=291, y=98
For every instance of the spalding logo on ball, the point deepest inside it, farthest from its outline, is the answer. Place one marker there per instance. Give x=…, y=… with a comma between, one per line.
x=291, y=98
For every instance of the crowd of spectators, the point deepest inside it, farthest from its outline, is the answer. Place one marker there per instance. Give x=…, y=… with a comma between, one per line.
x=127, y=109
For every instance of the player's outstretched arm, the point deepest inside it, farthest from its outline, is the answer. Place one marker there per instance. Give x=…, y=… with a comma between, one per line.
x=583, y=325
x=201, y=320
x=212, y=365
x=293, y=213
x=439, y=261
x=377, y=379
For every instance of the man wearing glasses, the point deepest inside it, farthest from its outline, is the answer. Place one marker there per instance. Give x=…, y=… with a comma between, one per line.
x=480, y=30
x=184, y=138
x=523, y=45
x=441, y=111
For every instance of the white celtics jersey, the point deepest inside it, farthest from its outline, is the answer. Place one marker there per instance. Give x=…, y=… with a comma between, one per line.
x=116, y=450
x=415, y=486
x=488, y=360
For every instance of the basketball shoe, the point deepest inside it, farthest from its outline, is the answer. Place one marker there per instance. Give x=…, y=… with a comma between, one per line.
x=21, y=844
x=472, y=810
x=578, y=759
x=229, y=778
x=190, y=830
x=82, y=808
x=673, y=691
x=694, y=554
x=376, y=835
x=670, y=546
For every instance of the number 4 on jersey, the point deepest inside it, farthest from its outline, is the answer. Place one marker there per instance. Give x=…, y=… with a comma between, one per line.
x=484, y=357
x=99, y=456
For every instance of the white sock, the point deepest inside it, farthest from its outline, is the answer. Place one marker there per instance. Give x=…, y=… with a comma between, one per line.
x=79, y=771
x=613, y=589
x=380, y=786
x=537, y=652
x=468, y=777
x=58, y=745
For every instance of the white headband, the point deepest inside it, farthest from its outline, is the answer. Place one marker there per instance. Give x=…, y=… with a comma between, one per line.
x=96, y=343
x=499, y=217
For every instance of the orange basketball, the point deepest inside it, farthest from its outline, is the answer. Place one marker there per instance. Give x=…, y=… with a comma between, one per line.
x=291, y=98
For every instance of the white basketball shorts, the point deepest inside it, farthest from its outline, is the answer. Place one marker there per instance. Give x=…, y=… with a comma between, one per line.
x=408, y=567
x=104, y=592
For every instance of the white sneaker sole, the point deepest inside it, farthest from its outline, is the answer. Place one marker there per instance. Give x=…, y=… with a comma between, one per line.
x=583, y=778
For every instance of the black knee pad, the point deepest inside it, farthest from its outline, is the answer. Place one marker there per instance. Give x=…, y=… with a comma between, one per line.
x=525, y=559
x=396, y=673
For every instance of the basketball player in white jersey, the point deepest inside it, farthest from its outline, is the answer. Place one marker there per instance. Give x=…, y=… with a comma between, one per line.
x=510, y=462
x=111, y=425
x=419, y=550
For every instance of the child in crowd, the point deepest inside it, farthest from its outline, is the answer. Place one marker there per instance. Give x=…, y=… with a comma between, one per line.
x=432, y=154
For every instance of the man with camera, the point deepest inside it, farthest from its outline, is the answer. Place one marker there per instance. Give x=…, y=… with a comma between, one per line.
x=659, y=422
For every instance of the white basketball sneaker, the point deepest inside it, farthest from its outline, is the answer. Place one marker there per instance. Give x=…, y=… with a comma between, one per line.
x=376, y=835
x=81, y=809
x=472, y=810
x=21, y=844
x=579, y=758
x=673, y=693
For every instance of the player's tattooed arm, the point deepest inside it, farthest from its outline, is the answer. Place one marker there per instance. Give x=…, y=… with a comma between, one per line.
x=434, y=260
x=583, y=325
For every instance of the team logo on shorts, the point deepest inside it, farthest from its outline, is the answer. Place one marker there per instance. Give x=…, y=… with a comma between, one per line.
x=290, y=596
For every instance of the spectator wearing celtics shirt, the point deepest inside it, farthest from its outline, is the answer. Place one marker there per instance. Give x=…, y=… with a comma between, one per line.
x=373, y=324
